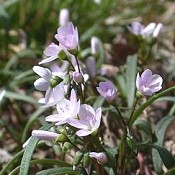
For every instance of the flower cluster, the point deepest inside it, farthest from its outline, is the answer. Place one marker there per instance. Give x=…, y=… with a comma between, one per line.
x=65, y=88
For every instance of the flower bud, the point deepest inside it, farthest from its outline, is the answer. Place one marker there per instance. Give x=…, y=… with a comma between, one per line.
x=78, y=157
x=101, y=157
x=91, y=66
x=45, y=135
x=95, y=47
x=86, y=160
x=67, y=146
x=107, y=91
x=78, y=77
x=64, y=17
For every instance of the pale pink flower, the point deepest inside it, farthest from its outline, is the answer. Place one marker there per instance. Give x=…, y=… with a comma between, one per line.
x=52, y=52
x=107, y=91
x=147, y=83
x=101, y=157
x=67, y=109
x=151, y=29
x=88, y=120
x=68, y=36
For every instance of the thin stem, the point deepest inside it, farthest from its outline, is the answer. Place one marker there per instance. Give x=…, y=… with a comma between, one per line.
x=133, y=109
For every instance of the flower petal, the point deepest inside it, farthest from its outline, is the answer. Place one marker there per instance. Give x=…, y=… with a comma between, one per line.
x=43, y=72
x=41, y=84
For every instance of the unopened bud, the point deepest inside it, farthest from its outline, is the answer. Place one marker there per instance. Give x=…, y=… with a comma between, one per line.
x=67, y=146
x=64, y=17
x=62, y=138
x=78, y=157
x=95, y=47
x=78, y=77
x=86, y=160
x=45, y=135
x=91, y=66
x=101, y=157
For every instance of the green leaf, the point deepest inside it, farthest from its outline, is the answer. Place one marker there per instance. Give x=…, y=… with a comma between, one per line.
x=144, y=125
x=26, y=159
x=58, y=171
x=16, y=96
x=160, y=133
x=130, y=78
x=98, y=102
x=121, y=84
x=166, y=156
x=31, y=120
x=11, y=162
x=137, y=113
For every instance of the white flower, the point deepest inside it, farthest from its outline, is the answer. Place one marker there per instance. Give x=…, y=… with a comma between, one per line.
x=49, y=82
x=88, y=121
x=67, y=109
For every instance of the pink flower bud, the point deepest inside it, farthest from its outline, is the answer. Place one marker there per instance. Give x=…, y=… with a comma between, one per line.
x=101, y=157
x=64, y=17
x=107, y=91
x=91, y=66
x=78, y=77
x=45, y=135
x=95, y=45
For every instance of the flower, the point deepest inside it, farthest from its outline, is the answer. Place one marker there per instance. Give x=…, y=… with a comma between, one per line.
x=107, y=91
x=148, y=83
x=101, y=157
x=64, y=17
x=68, y=36
x=54, y=51
x=45, y=135
x=91, y=66
x=66, y=109
x=88, y=120
x=150, y=30
x=49, y=82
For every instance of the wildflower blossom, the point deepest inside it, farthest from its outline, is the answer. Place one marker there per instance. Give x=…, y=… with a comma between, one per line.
x=150, y=30
x=68, y=36
x=52, y=52
x=88, y=120
x=107, y=91
x=66, y=109
x=50, y=83
x=148, y=83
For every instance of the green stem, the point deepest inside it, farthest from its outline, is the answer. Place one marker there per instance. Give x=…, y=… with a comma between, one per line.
x=147, y=103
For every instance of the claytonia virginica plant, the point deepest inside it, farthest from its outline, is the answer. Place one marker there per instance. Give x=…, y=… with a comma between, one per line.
x=98, y=121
